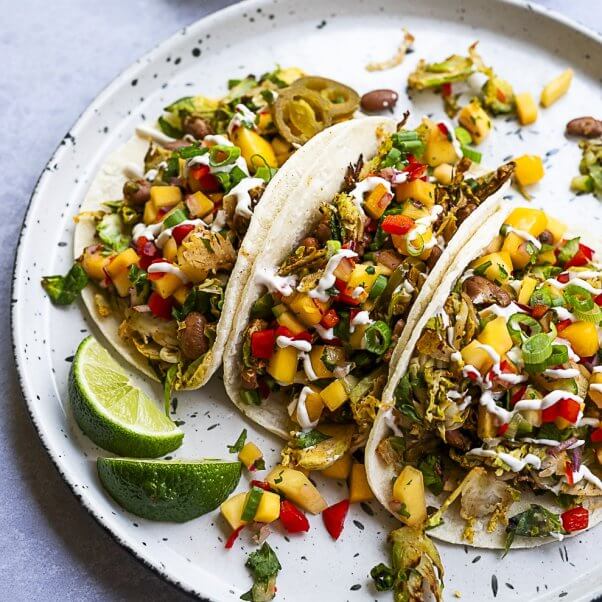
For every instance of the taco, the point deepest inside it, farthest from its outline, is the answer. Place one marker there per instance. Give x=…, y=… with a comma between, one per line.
x=489, y=431
x=356, y=261
x=170, y=227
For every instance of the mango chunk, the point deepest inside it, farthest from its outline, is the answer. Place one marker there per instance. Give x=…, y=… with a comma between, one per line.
x=340, y=469
x=474, y=119
x=167, y=285
x=334, y=395
x=496, y=267
x=296, y=487
x=269, y=508
x=249, y=455
x=496, y=335
x=359, y=489
x=418, y=190
x=122, y=262
x=526, y=290
x=529, y=169
x=378, y=200
x=254, y=148
x=526, y=108
x=165, y=196
x=232, y=509
x=583, y=337
x=283, y=365
x=557, y=88
x=408, y=490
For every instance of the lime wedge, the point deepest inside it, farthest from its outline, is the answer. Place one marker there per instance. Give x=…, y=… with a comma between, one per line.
x=113, y=412
x=168, y=490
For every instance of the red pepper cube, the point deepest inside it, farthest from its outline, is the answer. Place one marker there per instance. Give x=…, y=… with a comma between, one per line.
x=569, y=409
x=262, y=344
x=330, y=319
x=596, y=436
x=397, y=224
x=179, y=233
x=334, y=518
x=292, y=519
x=575, y=519
x=160, y=308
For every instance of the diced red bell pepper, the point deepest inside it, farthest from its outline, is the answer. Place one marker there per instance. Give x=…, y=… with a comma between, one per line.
x=563, y=324
x=446, y=89
x=345, y=295
x=292, y=519
x=283, y=331
x=414, y=168
x=598, y=299
x=596, y=436
x=565, y=408
x=397, y=224
x=568, y=471
x=502, y=429
x=207, y=181
x=262, y=344
x=261, y=484
x=371, y=226
x=160, y=308
x=581, y=257
x=330, y=319
x=181, y=232
x=156, y=275
x=564, y=277
x=147, y=250
x=518, y=395
x=575, y=519
x=334, y=518
x=233, y=537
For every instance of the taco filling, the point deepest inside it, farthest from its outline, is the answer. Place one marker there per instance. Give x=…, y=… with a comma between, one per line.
x=163, y=253
x=322, y=335
x=503, y=392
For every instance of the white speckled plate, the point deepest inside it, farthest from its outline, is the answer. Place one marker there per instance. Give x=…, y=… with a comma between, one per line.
x=525, y=44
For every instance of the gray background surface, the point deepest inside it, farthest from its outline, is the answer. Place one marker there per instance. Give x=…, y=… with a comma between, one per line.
x=56, y=56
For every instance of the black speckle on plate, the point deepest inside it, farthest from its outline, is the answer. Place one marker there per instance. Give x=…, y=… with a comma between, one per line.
x=196, y=52
x=134, y=82
x=359, y=525
x=321, y=24
x=494, y=585
x=69, y=358
x=355, y=587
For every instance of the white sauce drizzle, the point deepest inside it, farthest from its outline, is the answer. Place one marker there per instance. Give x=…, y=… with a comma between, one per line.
x=576, y=280
x=219, y=221
x=307, y=365
x=325, y=333
x=328, y=278
x=165, y=234
x=149, y=232
x=300, y=410
x=561, y=372
x=422, y=226
x=596, y=387
x=360, y=319
x=241, y=194
x=525, y=236
x=515, y=464
x=504, y=312
x=147, y=131
x=367, y=185
x=216, y=139
x=283, y=284
x=564, y=314
x=299, y=345
x=167, y=268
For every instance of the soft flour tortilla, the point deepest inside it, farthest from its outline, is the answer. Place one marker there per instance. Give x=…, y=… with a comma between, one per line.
x=320, y=184
x=381, y=476
x=107, y=185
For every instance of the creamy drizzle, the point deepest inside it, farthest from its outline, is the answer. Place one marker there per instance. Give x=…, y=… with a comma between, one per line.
x=360, y=319
x=515, y=464
x=163, y=267
x=328, y=278
x=525, y=236
x=299, y=345
x=149, y=132
x=283, y=284
x=367, y=185
x=241, y=194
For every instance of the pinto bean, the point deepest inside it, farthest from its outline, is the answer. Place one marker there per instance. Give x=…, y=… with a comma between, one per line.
x=196, y=126
x=379, y=100
x=457, y=439
x=323, y=232
x=192, y=339
x=310, y=242
x=389, y=258
x=481, y=290
x=175, y=145
x=587, y=127
x=136, y=192
x=546, y=237
x=433, y=257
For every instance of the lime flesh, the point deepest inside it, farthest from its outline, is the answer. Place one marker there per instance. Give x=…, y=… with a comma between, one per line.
x=113, y=412
x=165, y=490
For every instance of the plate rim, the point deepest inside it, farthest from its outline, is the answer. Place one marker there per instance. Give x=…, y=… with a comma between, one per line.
x=127, y=74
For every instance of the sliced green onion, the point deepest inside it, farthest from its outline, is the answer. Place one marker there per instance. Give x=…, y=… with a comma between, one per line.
x=332, y=248
x=173, y=219
x=463, y=136
x=231, y=153
x=522, y=325
x=378, y=287
x=559, y=356
x=194, y=150
x=578, y=298
x=173, y=167
x=415, y=250
x=251, y=504
x=470, y=153
x=537, y=348
x=168, y=129
x=377, y=337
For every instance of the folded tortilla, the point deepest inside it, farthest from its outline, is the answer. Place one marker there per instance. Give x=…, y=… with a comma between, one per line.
x=319, y=185
x=108, y=184
x=381, y=476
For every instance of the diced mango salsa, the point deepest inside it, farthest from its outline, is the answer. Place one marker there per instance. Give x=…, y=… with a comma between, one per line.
x=269, y=508
x=418, y=190
x=170, y=249
x=232, y=509
x=408, y=490
x=288, y=320
x=283, y=365
x=340, y=469
x=556, y=228
x=305, y=308
x=249, y=455
x=533, y=221
x=439, y=148
x=181, y=294
x=476, y=356
x=150, y=213
x=526, y=108
x=499, y=266
x=378, y=200
x=94, y=264
x=496, y=335
x=526, y=290
x=583, y=337
x=122, y=262
x=165, y=196
x=336, y=354
x=199, y=204
x=167, y=285
x=473, y=118
x=529, y=169
x=557, y=88
x=297, y=488
x=334, y=395
x=359, y=489
x=519, y=250
x=254, y=149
